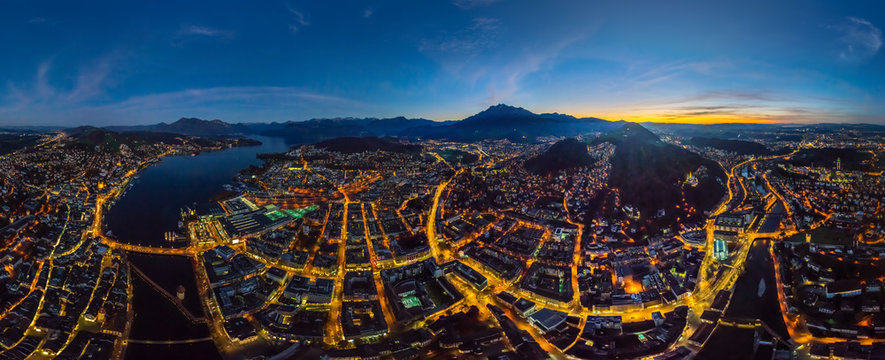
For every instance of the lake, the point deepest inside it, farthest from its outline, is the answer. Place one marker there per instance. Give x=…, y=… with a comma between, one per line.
x=152, y=204
x=147, y=210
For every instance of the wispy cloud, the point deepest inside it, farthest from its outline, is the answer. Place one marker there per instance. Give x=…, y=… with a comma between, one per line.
x=660, y=73
x=197, y=30
x=457, y=50
x=858, y=39
x=476, y=37
x=469, y=4
x=188, y=33
x=42, y=21
x=88, y=101
x=485, y=53
x=298, y=19
x=92, y=83
x=740, y=106
x=773, y=114
x=722, y=90
x=248, y=96
x=529, y=63
x=367, y=13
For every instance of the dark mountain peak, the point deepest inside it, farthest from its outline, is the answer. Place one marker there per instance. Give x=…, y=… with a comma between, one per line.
x=501, y=112
x=504, y=109
x=634, y=132
x=512, y=123
x=632, y=128
x=562, y=155
x=649, y=174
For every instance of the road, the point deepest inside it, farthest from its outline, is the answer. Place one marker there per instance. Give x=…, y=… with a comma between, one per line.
x=698, y=300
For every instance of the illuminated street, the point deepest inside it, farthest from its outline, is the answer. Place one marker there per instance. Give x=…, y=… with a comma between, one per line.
x=464, y=179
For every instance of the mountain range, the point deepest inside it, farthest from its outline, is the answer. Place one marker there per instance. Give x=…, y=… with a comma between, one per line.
x=190, y=126
x=514, y=124
x=497, y=122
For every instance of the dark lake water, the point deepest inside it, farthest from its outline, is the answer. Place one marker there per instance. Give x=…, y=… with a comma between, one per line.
x=148, y=209
x=151, y=206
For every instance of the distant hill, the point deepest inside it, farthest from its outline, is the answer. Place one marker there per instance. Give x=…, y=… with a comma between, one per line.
x=458, y=156
x=352, y=145
x=202, y=128
x=629, y=132
x=851, y=159
x=191, y=127
x=831, y=127
x=721, y=131
x=563, y=155
x=514, y=124
x=13, y=142
x=736, y=146
x=314, y=130
x=881, y=163
x=648, y=172
x=294, y=132
x=784, y=132
x=88, y=137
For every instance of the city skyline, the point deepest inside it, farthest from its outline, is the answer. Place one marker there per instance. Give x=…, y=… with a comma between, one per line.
x=127, y=64
x=455, y=179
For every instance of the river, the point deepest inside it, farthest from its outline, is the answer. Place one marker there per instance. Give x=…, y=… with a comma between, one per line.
x=755, y=297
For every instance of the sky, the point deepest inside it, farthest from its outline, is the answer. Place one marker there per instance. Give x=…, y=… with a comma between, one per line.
x=73, y=63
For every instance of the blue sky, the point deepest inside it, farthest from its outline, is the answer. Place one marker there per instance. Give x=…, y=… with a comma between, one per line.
x=66, y=63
